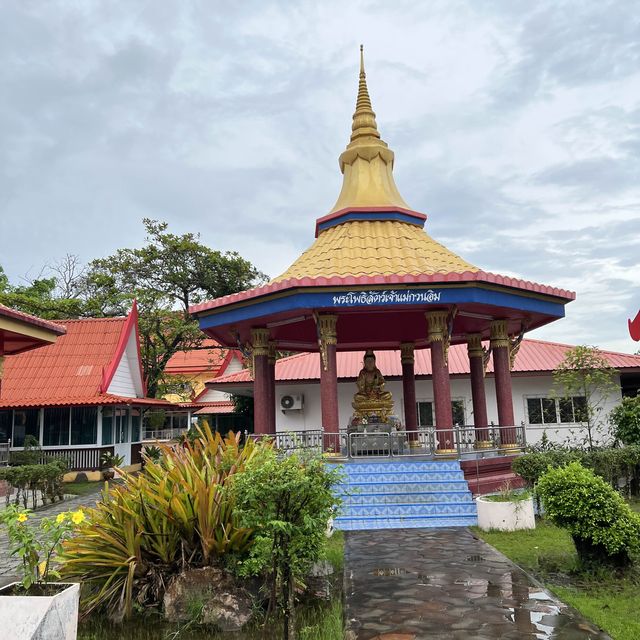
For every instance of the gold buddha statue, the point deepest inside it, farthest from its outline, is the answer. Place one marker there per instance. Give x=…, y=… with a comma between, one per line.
x=371, y=399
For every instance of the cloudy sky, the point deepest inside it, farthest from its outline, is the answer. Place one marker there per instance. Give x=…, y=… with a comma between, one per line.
x=516, y=127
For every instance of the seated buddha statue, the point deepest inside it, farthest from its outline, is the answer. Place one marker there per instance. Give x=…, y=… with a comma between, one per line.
x=371, y=398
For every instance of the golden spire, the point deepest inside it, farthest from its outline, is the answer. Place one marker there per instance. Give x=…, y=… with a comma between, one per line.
x=367, y=162
x=364, y=119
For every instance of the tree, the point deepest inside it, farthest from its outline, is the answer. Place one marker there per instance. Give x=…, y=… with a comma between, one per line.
x=39, y=296
x=585, y=373
x=625, y=419
x=287, y=502
x=167, y=275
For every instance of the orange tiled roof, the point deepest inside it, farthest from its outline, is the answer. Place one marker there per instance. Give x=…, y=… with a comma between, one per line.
x=69, y=371
x=372, y=248
x=195, y=361
x=533, y=356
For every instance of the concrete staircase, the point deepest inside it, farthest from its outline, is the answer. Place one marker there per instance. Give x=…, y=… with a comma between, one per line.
x=404, y=494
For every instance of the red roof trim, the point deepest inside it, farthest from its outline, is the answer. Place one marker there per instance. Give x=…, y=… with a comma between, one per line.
x=130, y=325
x=58, y=329
x=85, y=401
x=354, y=281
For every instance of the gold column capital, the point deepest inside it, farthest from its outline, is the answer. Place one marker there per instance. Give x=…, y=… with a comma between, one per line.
x=407, y=350
x=327, y=328
x=474, y=345
x=273, y=347
x=499, y=334
x=1, y=366
x=260, y=342
x=437, y=325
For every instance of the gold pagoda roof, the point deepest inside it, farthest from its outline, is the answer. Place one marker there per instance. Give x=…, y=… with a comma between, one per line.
x=369, y=248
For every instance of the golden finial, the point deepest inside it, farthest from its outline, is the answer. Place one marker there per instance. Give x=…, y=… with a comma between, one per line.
x=364, y=119
x=367, y=162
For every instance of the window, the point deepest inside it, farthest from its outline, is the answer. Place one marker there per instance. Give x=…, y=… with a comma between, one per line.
x=84, y=425
x=136, y=415
x=107, y=426
x=457, y=410
x=425, y=414
x=556, y=411
x=5, y=425
x=26, y=422
x=56, y=426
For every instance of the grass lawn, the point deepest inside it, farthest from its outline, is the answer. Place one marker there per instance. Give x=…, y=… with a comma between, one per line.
x=83, y=488
x=611, y=601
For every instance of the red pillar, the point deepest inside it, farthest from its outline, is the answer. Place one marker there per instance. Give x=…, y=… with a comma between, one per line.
x=272, y=387
x=478, y=395
x=407, y=357
x=437, y=323
x=260, y=343
x=329, y=382
x=500, y=346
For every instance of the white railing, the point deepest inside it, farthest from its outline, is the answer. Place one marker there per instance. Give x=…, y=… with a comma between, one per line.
x=459, y=441
x=163, y=434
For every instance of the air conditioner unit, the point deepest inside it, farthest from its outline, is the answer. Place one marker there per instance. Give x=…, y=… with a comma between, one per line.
x=291, y=403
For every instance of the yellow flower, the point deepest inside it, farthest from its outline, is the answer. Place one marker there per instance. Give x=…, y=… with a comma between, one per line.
x=61, y=517
x=23, y=517
x=42, y=567
x=78, y=516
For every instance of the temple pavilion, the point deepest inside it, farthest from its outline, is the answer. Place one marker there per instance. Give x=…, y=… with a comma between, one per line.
x=374, y=280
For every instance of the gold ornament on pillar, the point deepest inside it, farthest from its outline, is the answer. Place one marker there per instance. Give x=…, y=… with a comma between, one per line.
x=440, y=328
x=273, y=349
x=260, y=345
x=475, y=349
x=1, y=366
x=407, y=353
x=245, y=349
x=514, y=347
x=327, y=335
x=499, y=334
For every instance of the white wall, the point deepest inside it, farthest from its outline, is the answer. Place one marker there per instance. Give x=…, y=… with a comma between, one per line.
x=127, y=381
x=311, y=416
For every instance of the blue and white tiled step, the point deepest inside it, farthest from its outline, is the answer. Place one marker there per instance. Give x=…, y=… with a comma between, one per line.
x=407, y=494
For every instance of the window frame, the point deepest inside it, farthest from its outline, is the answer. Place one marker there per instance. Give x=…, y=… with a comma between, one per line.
x=558, y=413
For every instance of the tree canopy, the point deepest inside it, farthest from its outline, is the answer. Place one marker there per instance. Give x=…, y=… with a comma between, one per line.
x=167, y=275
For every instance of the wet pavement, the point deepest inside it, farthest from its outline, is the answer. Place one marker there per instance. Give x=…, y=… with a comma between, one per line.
x=409, y=584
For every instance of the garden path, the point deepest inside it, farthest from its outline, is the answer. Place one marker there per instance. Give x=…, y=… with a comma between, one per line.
x=408, y=584
x=8, y=563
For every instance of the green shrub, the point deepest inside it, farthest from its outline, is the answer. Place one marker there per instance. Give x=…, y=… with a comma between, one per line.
x=612, y=464
x=625, y=419
x=287, y=502
x=603, y=527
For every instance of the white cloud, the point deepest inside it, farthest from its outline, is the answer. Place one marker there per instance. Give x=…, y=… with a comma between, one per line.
x=516, y=127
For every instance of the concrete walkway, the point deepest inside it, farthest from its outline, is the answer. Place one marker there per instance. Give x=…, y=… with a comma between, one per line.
x=409, y=584
x=8, y=563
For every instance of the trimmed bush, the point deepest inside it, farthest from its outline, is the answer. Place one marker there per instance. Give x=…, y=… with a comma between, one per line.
x=28, y=479
x=603, y=527
x=612, y=464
